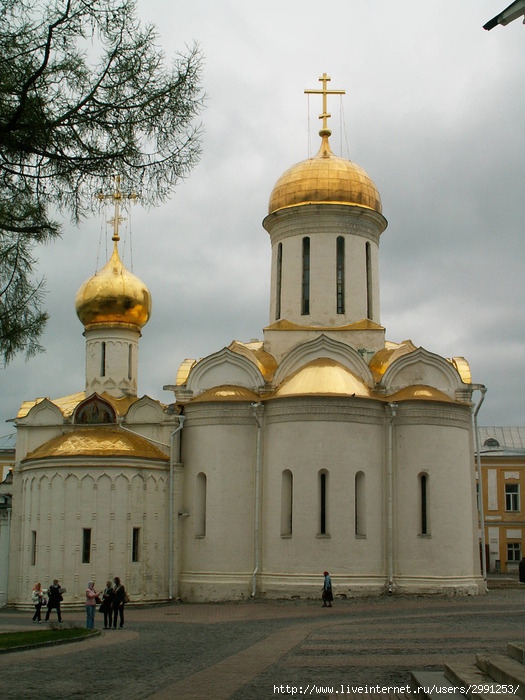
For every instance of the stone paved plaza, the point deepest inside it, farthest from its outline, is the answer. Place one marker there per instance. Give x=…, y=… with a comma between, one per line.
x=262, y=649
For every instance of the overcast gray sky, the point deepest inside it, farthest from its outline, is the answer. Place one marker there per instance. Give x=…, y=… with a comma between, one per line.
x=434, y=111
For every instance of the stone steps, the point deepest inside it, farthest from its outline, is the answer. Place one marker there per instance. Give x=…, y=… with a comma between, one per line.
x=490, y=677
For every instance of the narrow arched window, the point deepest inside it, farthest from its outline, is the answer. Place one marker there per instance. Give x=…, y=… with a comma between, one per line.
x=130, y=361
x=103, y=359
x=340, y=274
x=200, y=505
x=86, y=545
x=423, y=504
x=305, y=301
x=360, y=520
x=323, y=502
x=33, y=547
x=278, y=281
x=135, y=544
x=286, y=503
x=368, y=256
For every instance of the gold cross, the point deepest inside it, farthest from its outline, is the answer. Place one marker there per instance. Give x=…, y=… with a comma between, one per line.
x=116, y=196
x=324, y=92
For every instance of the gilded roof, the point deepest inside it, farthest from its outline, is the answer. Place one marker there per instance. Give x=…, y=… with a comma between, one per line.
x=226, y=392
x=184, y=370
x=383, y=358
x=324, y=377
x=255, y=352
x=364, y=325
x=68, y=404
x=325, y=178
x=463, y=367
x=113, y=296
x=420, y=392
x=98, y=442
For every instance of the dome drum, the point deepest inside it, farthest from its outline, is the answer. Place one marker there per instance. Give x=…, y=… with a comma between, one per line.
x=341, y=218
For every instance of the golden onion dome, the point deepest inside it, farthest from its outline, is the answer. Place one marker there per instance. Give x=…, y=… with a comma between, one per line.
x=113, y=296
x=325, y=179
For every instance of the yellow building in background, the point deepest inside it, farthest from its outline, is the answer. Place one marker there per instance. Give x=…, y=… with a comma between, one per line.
x=502, y=456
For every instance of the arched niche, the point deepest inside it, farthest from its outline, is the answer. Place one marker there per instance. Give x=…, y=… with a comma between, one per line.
x=224, y=368
x=145, y=410
x=94, y=411
x=422, y=368
x=323, y=346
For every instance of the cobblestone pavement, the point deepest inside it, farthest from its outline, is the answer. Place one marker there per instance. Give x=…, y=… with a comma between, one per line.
x=263, y=649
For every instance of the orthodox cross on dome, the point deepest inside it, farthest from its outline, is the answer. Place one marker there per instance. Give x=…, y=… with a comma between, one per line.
x=325, y=131
x=117, y=195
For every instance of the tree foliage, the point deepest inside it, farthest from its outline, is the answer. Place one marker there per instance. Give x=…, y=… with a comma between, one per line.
x=85, y=93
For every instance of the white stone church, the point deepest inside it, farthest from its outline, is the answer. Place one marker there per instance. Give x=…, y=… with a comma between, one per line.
x=322, y=447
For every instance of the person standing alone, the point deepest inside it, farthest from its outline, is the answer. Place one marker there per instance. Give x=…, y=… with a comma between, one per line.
x=328, y=596
x=54, y=598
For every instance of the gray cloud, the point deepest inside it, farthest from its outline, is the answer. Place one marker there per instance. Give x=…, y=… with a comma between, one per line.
x=434, y=112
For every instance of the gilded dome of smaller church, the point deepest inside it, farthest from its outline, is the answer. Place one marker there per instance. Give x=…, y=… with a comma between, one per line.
x=113, y=296
x=325, y=179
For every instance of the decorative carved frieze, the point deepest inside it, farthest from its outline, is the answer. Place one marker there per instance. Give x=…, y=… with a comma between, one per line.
x=425, y=413
x=312, y=409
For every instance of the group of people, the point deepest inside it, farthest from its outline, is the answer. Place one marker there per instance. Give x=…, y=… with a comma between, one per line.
x=112, y=601
x=50, y=598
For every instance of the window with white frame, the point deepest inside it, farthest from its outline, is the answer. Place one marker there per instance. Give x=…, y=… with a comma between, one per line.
x=513, y=551
x=512, y=497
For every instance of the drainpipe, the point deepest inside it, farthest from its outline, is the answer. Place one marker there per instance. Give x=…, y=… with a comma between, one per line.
x=481, y=506
x=257, y=518
x=391, y=410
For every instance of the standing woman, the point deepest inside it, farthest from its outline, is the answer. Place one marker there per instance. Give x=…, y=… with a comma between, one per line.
x=37, y=596
x=91, y=605
x=107, y=604
x=328, y=596
x=119, y=599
